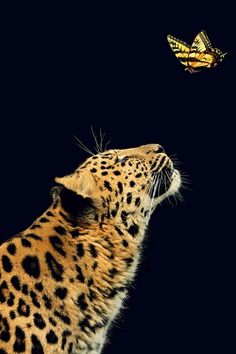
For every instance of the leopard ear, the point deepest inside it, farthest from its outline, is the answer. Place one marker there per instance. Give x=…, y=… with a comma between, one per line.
x=80, y=182
x=55, y=193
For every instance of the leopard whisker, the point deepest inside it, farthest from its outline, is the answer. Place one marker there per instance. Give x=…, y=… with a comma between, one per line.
x=97, y=148
x=169, y=178
x=82, y=146
x=102, y=136
x=106, y=145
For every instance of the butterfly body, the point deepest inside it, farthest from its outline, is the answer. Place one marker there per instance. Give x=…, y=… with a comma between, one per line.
x=199, y=55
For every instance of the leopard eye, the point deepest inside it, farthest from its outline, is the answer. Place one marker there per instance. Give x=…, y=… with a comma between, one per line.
x=121, y=159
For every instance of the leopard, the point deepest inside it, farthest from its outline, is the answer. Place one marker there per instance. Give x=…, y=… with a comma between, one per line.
x=64, y=280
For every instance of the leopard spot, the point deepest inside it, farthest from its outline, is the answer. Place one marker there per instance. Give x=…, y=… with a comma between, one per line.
x=31, y=266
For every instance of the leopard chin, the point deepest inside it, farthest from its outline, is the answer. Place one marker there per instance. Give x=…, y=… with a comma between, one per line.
x=174, y=186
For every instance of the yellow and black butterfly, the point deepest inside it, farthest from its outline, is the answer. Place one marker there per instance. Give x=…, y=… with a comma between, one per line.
x=199, y=55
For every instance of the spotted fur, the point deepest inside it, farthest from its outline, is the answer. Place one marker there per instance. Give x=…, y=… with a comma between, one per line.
x=63, y=280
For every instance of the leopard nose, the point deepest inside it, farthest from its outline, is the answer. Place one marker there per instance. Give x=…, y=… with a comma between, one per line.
x=154, y=148
x=160, y=149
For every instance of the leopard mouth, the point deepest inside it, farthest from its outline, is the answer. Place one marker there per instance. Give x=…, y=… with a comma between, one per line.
x=166, y=183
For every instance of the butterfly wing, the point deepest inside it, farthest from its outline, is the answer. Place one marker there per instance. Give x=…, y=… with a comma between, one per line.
x=198, y=60
x=201, y=53
x=201, y=42
x=180, y=49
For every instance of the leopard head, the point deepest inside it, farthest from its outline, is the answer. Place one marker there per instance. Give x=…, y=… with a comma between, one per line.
x=124, y=186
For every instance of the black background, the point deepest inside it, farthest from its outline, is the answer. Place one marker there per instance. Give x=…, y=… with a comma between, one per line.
x=64, y=69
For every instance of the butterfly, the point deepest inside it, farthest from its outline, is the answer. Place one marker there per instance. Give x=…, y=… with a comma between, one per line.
x=199, y=55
